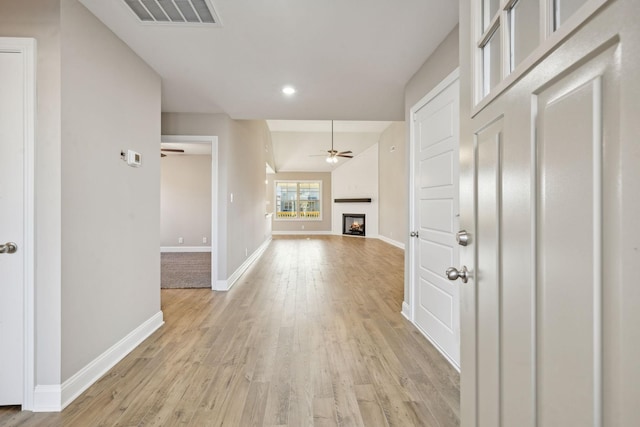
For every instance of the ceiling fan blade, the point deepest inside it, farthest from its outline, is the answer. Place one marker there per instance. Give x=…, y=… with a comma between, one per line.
x=173, y=150
x=346, y=152
x=344, y=155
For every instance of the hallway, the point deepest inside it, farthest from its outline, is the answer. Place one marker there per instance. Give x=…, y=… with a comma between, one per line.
x=310, y=335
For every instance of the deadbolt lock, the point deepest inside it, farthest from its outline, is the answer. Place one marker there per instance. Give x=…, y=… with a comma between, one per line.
x=463, y=238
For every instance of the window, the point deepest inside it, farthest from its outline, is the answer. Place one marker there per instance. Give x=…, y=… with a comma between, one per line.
x=298, y=200
x=509, y=35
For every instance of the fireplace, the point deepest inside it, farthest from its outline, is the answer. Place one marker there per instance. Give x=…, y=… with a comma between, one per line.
x=353, y=224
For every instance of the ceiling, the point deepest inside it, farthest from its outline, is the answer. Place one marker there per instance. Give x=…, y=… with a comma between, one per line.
x=348, y=60
x=302, y=145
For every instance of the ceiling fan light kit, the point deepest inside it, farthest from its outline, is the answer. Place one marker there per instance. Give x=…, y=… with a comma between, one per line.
x=334, y=154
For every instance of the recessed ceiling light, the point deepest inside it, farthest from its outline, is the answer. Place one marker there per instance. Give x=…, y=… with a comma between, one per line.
x=288, y=90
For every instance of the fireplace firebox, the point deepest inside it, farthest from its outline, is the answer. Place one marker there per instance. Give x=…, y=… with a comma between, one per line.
x=353, y=224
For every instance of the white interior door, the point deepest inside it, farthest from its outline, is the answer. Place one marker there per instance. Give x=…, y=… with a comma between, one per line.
x=11, y=227
x=436, y=304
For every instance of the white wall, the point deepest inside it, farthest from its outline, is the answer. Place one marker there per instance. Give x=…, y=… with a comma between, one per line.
x=242, y=153
x=110, y=211
x=185, y=200
x=357, y=178
x=393, y=185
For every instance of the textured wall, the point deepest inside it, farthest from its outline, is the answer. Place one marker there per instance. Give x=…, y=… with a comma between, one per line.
x=110, y=211
x=185, y=200
x=242, y=159
x=393, y=184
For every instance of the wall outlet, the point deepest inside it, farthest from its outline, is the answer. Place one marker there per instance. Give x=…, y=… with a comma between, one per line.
x=231, y=198
x=180, y=240
x=204, y=240
x=303, y=227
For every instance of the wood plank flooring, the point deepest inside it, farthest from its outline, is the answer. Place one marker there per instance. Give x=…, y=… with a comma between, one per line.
x=311, y=335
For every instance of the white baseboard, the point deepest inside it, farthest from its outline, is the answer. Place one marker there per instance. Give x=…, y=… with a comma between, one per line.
x=391, y=242
x=47, y=398
x=83, y=379
x=185, y=249
x=406, y=311
x=302, y=233
x=225, y=285
x=444, y=354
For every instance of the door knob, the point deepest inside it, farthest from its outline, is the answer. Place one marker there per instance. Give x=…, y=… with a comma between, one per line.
x=453, y=273
x=414, y=234
x=8, y=248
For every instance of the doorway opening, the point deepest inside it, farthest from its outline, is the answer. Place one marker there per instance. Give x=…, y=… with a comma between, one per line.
x=433, y=303
x=179, y=246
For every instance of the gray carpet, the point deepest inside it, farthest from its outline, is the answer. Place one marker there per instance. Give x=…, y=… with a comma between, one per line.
x=185, y=270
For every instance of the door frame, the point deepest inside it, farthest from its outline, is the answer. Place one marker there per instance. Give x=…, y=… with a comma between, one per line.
x=213, y=140
x=27, y=48
x=408, y=305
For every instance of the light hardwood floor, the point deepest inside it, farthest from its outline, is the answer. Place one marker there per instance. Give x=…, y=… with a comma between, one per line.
x=311, y=335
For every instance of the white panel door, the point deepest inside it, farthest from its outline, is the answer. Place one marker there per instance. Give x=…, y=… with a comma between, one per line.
x=549, y=187
x=436, y=145
x=11, y=227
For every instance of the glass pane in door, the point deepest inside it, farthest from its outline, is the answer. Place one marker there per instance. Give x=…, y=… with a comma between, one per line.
x=489, y=10
x=491, y=63
x=564, y=9
x=524, y=30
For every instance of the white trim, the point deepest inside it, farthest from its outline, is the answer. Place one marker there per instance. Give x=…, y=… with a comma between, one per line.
x=27, y=47
x=164, y=249
x=448, y=81
x=302, y=233
x=225, y=285
x=406, y=311
x=410, y=275
x=83, y=379
x=598, y=393
x=391, y=241
x=452, y=362
x=47, y=398
x=550, y=42
x=213, y=140
x=533, y=200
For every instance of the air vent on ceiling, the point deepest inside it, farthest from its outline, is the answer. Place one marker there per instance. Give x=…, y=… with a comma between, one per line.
x=174, y=11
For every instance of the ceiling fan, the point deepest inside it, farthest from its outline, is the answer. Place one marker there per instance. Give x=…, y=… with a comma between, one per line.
x=334, y=154
x=171, y=150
